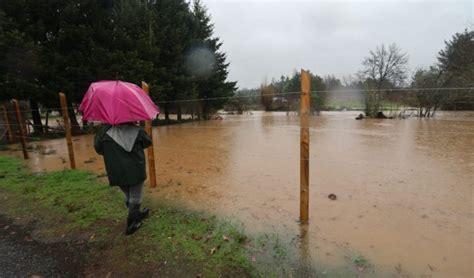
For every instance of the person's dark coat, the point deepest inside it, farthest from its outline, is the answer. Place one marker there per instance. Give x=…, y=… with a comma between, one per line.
x=123, y=168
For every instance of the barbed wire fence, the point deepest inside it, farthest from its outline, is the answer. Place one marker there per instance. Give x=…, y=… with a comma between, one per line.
x=15, y=124
x=55, y=127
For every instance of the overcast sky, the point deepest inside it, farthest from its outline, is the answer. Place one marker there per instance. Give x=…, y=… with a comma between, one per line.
x=265, y=39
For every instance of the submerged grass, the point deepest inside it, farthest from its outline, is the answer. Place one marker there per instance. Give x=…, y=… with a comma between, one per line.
x=360, y=261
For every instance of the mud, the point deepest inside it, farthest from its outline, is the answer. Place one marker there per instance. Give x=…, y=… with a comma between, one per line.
x=404, y=187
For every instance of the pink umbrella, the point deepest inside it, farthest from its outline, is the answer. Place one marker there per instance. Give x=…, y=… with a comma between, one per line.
x=116, y=102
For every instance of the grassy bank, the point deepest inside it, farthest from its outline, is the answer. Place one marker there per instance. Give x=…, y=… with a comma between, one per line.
x=74, y=206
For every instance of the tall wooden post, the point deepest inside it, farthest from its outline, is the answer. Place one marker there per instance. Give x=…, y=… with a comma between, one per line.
x=67, y=129
x=150, y=151
x=7, y=124
x=304, y=145
x=20, y=122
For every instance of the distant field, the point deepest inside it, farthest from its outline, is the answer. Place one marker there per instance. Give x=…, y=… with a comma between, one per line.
x=338, y=104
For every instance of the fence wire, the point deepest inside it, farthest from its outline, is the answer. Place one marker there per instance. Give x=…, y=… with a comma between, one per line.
x=59, y=127
x=283, y=94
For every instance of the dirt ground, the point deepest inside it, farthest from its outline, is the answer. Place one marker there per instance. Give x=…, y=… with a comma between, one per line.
x=22, y=256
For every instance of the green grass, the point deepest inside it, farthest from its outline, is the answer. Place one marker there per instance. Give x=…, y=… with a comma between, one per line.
x=360, y=261
x=76, y=202
x=74, y=194
x=337, y=104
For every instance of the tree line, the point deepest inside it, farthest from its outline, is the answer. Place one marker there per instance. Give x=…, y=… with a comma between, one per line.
x=384, y=69
x=56, y=45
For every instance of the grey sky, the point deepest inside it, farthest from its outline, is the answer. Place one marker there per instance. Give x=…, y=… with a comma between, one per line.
x=265, y=39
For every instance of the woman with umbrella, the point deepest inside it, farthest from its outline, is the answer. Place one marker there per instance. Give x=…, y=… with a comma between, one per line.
x=119, y=104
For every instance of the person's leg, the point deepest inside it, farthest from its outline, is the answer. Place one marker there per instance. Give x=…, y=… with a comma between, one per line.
x=136, y=196
x=135, y=216
x=136, y=192
x=126, y=191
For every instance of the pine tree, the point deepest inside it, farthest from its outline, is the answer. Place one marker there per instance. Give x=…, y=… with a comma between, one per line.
x=70, y=44
x=212, y=84
x=20, y=66
x=456, y=68
x=456, y=60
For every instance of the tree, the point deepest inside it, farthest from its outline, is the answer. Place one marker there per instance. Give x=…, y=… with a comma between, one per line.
x=332, y=83
x=285, y=93
x=69, y=44
x=208, y=66
x=267, y=94
x=318, y=97
x=20, y=67
x=428, y=101
x=172, y=29
x=455, y=68
x=64, y=36
x=456, y=65
x=383, y=68
x=349, y=81
x=318, y=94
x=456, y=60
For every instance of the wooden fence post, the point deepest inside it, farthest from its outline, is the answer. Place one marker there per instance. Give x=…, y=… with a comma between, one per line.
x=304, y=145
x=7, y=124
x=19, y=120
x=67, y=129
x=150, y=151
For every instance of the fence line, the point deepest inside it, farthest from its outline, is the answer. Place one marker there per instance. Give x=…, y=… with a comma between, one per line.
x=305, y=96
x=78, y=112
x=286, y=94
x=34, y=125
x=322, y=91
x=38, y=138
x=61, y=129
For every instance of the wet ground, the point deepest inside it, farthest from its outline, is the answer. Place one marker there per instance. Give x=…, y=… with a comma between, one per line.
x=21, y=256
x=404, y=187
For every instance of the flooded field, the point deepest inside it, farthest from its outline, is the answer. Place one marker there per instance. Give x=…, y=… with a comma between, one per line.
x=404, y=187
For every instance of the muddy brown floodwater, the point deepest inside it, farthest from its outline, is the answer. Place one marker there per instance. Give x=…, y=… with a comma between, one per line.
x=404, y=187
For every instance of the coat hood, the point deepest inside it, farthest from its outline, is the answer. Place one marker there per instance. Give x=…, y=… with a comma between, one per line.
x=124, y=135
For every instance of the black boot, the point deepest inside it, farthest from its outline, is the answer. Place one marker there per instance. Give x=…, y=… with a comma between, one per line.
x=134, y=219
x=144, y=213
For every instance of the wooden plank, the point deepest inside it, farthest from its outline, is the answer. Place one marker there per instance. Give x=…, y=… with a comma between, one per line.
x=150, y=150
x=20, y=123
x=67, y=128
x=304, y=145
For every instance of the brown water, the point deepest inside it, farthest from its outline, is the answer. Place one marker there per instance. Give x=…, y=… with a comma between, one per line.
x=404, y=187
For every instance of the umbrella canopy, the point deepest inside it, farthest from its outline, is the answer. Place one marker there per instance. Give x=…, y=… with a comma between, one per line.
x=115, y=102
